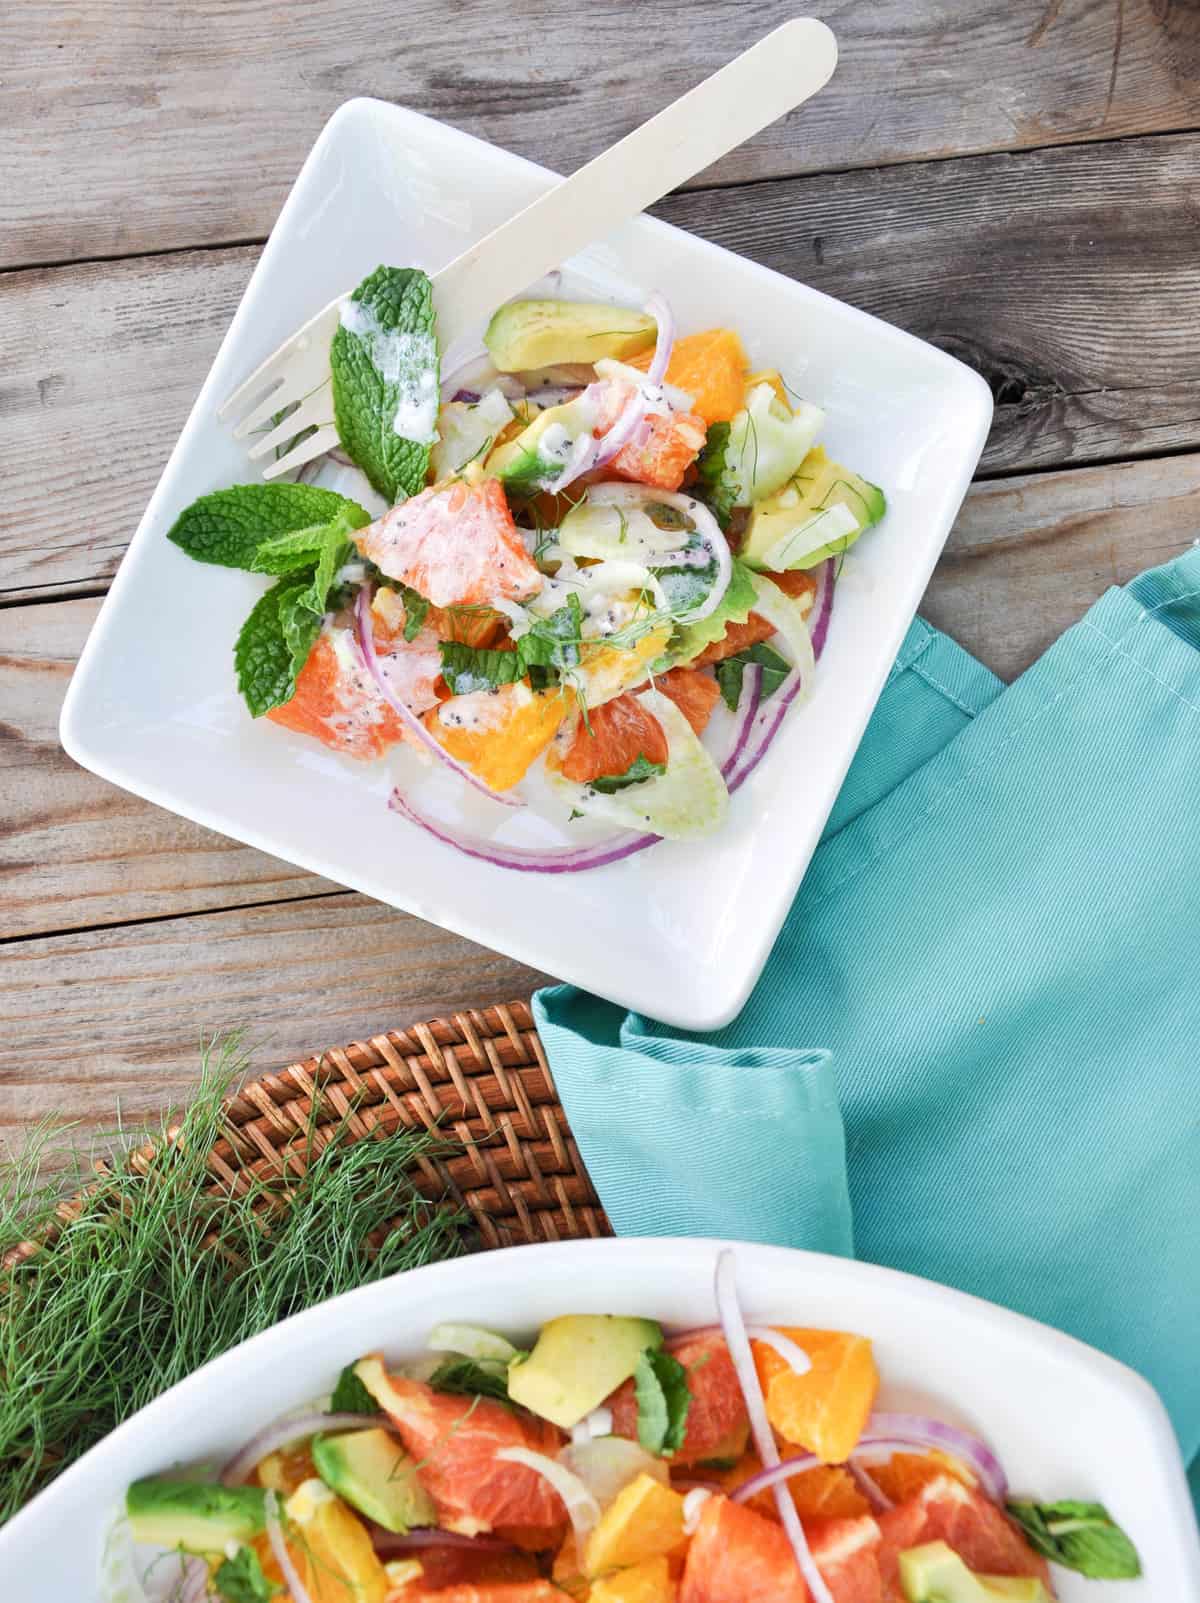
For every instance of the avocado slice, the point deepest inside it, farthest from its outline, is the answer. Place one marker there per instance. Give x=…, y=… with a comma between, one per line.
x=936, y=1574
x=369, y=1469
x=539, y=454
x=197, y=1517
x=577, y=1362
x=533, y=334
x=818, y=513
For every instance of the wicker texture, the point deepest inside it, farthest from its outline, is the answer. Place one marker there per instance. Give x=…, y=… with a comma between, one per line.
x=480, y=1078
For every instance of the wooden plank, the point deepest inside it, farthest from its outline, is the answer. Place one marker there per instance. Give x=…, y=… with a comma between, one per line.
x=1025, y=560
x=119, y=1015
x=1029, y=555
x=1070, y=277
x=74, y=850
x=170, y=125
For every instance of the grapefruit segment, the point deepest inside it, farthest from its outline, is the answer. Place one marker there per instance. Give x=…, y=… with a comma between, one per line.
x=455, y=1441
x=737, y=1556
x=980, y=1533
x=337, y=703
x=620, y=732
x=695, y=694
x=456, y=544
x=826, y=1409
x=662, y=450
x=538, y=1591
x=717, y=1409
x=846, y=1551
x=737, y=637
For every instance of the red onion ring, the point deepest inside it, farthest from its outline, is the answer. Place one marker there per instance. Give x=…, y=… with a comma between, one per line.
x=282, y=1431
x=822, y=607
x=762, y=732
x=902, y=1431
x=279, y=1548
x=413, y=1541
x=195, y=1581
x=366, y=644
x=480, y=373
x=657, y=308
x=738, y=1342
x=529, y=860
x=752, y=677
x=471, y=397
x=875, y=1495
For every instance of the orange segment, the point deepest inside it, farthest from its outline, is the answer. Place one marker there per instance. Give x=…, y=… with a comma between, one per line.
x=826, y=1492
x=711, y=367
x=826, y=1409
x=620, y=732
x=906, y=1474
x=498, y=733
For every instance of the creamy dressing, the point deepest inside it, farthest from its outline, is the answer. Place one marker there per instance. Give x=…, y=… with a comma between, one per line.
x=481, y=711
x=405, y=360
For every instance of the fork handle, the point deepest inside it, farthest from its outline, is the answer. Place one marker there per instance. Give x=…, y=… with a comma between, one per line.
x=762, y=84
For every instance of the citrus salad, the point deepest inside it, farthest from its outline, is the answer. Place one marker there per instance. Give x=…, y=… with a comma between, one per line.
x=558, y=562
x=609, y=1461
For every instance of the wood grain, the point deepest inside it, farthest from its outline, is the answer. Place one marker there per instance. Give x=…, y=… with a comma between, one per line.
x=170, y=125
x=74, y=850
x=119, y=1015
x=1070, y=278
x=1029, y=555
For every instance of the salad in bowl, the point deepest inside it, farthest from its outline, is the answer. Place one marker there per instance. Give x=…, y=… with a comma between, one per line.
x=608, y=1459
x=588, y=572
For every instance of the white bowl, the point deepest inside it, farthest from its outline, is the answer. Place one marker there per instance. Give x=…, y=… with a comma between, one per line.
x=680, y=931
x=1065, y=1420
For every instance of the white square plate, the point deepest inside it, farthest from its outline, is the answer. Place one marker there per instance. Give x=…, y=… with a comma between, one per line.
x=1064, y=1420
x=680, y=931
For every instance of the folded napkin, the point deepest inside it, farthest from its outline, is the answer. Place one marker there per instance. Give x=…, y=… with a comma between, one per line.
x=975, y=1051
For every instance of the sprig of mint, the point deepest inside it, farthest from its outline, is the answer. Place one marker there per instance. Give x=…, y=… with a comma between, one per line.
x=230, y=527
x=548, y=650
x=715, y=485
x=240, y=1579
x=1079, y=1536
x=274, y=643
x=416, y=610
x=663, y=1400
x=731, y=671
x=466, y=1378
x=639, y=769
x=350, y=1396
x=391, y=352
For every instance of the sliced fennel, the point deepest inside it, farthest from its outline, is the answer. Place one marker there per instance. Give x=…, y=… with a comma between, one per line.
x=768, y=442
x=472, y=1341
x=686, y=802
x=796, y=548
x=778, y=608
x=466, y=430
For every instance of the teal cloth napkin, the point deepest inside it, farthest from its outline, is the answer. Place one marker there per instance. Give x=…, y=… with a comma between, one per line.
x=975, y=1051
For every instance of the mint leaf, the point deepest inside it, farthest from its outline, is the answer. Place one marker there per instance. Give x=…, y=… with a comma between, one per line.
x=686, y=587
x=350, y=1396
x=298, y=548
x=735, y=606
x=731, y=671
x=416, y=610
x=1079, y=1536
x=274, y=644
x=228, y=527
x=466, y=1378
x=715, y=485
x=384, y=365
x=663, y=1399
x=550, y=648
x=241, y=1580
x=640, y=768
x=469, y=668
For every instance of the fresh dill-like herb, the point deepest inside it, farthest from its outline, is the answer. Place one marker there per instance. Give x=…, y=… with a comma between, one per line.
x=150, y=1274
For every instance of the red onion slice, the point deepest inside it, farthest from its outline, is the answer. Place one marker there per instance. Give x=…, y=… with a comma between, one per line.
x=901, y=1432
x=822, y=607
x=875, y=1495
x=738, y=1342
x=290, y=1429
x=752, y=677
x=195, y=1581
x=657, y=308
x=366, y=644
x=781, y=1471
x=283, y=1558
x=414, y=1541
x=525, y=859
x=762, y=732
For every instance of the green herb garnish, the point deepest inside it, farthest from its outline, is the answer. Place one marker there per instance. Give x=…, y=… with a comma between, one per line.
x=731, y=671
x=388, y=353
x=663, y=1400
x=464, y=1377
x=154, y=1273
x=549, y=649
x=641, y=768
x=231, y=527
x=240, y=1579
x=350, y=1396
x=1079, y=1536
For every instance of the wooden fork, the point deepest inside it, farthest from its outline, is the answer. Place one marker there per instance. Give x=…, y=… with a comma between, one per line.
x=764, y=83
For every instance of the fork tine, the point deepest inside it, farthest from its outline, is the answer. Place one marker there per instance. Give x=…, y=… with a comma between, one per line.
x=316, y=445
x=316, y=408
x=259, y=415
x=296, y=367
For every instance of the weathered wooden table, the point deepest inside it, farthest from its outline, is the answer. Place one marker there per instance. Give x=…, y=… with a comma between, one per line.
x=1016, y=180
